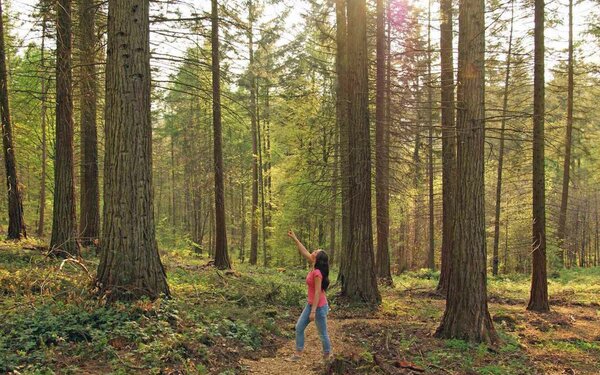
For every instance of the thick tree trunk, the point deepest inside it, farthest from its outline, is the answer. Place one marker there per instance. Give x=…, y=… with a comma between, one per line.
x=562, y=218
x=382, y=263
x=495, y=255
x=89, y=219
x=360, y=282
x=466, y=316
x=130, y=265
x=16, y=223
x=64, y=228
x=448, y=143
x=342, y=108
x=221, y=256
x=538, y=300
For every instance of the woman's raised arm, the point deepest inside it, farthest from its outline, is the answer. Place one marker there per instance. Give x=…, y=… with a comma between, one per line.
x=301, y=249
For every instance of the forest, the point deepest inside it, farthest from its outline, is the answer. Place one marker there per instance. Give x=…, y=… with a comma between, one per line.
x=191, y=184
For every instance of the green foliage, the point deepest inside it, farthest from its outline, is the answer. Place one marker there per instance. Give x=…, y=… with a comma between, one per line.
x=210, y=313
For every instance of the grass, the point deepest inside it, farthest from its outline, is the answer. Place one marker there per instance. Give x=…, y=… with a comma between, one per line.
x=51, y=319
x=51, y=322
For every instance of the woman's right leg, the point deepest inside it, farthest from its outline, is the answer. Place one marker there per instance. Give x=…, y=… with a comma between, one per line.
x=303, y=321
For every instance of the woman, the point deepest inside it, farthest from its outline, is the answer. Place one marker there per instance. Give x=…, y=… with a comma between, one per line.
x=316, y=308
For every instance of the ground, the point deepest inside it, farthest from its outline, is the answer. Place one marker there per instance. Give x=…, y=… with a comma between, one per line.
x=243, y=322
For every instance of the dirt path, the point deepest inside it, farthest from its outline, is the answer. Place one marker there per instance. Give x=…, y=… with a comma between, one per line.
x=312, y=360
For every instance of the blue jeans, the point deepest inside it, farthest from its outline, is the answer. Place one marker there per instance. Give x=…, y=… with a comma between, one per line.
x=320, y=321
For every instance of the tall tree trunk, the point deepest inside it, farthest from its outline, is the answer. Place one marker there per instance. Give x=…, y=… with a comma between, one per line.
x=221, y=256
x=448, y=143
x=417, y=202
x=388, y=107
x=505, y=264
x=197, y=220
x=538, y=300
x=43, y=99
x=267, y=165
x=382, y=263
x=401, y=264
x=342, y=110
x=16, y=223
x=64, y=228
x=495, y=256
x=89, y=219
x=130, y=265
x=466, y=316
x=562, y=218
x=431, y=252
x=333, y=202
x=243, y=229
x=254, y=126
x=173, y=194
x=360, y=282
x=261, y=186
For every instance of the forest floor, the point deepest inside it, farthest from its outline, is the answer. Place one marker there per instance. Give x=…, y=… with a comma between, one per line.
x=243, y=322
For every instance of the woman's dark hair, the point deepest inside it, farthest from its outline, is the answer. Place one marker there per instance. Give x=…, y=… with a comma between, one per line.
x=322, y=264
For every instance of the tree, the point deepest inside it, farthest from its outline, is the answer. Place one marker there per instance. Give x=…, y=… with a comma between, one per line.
x=130, y=265
x=43, y=98
x=382, y=155
x=448, y=142
x=89, y=219
x=254, y=128
x=466, y=316
x=495, y=256
x=360, y=282
x=562, y=218
x=431, y=252
x=221, y=257
x=342, y=111
x=16, y=222
x=538, y=299
x=64, y=228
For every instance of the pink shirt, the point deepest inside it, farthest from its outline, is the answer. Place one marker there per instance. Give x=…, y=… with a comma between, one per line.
x=310, y=281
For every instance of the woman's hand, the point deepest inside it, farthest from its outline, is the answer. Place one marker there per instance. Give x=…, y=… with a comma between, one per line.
x=292, y=235
x=311, y=317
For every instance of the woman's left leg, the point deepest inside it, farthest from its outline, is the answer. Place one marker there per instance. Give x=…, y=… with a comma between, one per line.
x=321, y=322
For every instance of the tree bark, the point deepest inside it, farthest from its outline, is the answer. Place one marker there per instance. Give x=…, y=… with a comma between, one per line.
x=261, y=187
x=360, y=282
x=495, y=255
x=342, y=110
x=382, y=155
x=431, y=252
x=221, y=256
x=538, y=300
x=89, y=219
x=448, y=142
x=254, y=126
x=466, y=316
x=562, y=218
x=44, y=145
x=130, y=265
x=64, y=228
x=16, y=222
